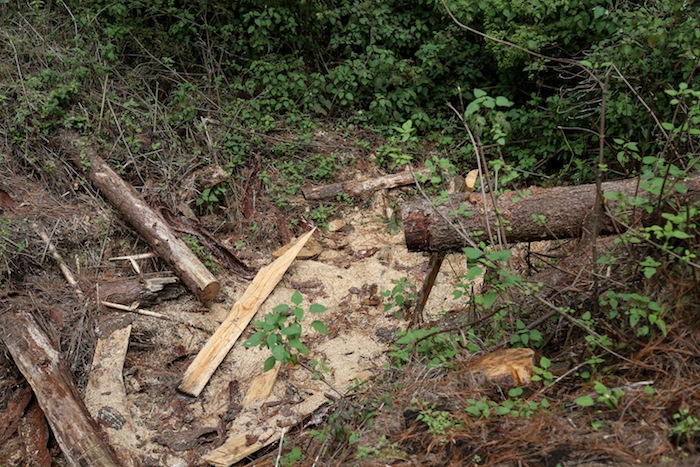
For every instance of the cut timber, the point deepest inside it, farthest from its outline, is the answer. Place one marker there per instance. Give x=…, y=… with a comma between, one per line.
x=358, y=187
x=217, y=347
x=105, y=395
x=531, y=215
x=511, y=366
x=49, y=376
x=152, y=227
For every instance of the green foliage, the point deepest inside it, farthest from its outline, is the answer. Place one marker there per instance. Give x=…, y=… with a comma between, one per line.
x=401, y=298
x=202, y=253
x=431, y=346
x=281, y=331
x=686, y=425
x=610, y=398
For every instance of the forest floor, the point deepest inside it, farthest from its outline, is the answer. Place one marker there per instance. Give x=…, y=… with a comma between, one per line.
x=376, y=399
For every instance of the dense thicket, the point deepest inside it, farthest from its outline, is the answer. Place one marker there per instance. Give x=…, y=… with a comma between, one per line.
x=386, y=62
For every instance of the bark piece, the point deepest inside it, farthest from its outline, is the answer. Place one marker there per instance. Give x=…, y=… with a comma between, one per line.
x=531, y=215
x=35, y=436
x=152, y=227
x=358, y=187
x=10, y=418
x=144, y=289
x=105, y=395
x=49, y=376
x=219, y=344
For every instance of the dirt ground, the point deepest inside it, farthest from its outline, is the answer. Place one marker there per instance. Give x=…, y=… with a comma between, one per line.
x=371, y=413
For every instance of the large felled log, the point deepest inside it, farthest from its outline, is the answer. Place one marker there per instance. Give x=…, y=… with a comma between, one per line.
x=358, y=187
x=50, y=378
x=530, y=215
x=152, y=227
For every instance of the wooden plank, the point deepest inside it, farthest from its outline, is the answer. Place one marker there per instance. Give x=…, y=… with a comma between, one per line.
x=219, y=344
x=105, y=395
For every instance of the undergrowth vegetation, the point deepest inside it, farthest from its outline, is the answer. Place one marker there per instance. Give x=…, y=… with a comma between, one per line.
x=544, y=93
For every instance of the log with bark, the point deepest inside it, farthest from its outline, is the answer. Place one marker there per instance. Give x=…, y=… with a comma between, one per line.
x=152, y=227
x=530, y=215
x=358, y=187
x=50, y=378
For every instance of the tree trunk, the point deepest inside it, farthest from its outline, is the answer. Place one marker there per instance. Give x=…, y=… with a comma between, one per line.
x=152, y=227
x=359, y=187
x=530, y=215
x=49, y=376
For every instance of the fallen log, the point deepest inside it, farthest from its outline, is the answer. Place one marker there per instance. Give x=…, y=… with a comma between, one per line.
x=50, y=378
x=530, y=215
x=358, y=187
x=152, y=227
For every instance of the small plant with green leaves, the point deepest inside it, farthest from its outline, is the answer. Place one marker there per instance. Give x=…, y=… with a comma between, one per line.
x=209, y=197
x=201, y=252
x=542, y=372
x=606, y=396
x=686, y=427
x=401, y=298
x=430, y=345
x=397, y=152
x=281, y=331
x=439, y=422
x=382, y=450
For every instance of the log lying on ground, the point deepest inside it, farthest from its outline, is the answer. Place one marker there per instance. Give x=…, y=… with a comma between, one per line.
x=531, y=215
x=358, y=187
x=49, y=376
x=152, y=227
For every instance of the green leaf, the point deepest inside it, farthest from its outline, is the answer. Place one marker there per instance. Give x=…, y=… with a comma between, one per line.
x=269, y=363
x=297, y=344
x=254, y=340
x=668, y=126
x=584, y=401
x=280, y=353
x=502, y=255
x=472, y=253
x=472, y=108
x=545, y=362
x=297, y=298
x=293, y=329
x=473, y=273
x=320, y=327
x=298, y=314
x=283, y=308
x=503, y=102
x=479, y=93
x=316, y=308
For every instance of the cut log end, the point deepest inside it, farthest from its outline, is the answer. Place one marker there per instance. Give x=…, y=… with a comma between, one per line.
x=210, y=292
x=416, y=230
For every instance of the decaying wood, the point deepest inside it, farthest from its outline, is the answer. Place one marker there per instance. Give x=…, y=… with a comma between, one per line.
x=358, y=187
x=531, y=215
x=152, y=227
x=50, y=378
x=147, y=290
x=219, y=344
x=105, y=395
x=9, y=419
x=35, y=436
